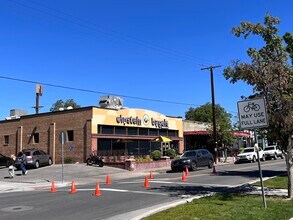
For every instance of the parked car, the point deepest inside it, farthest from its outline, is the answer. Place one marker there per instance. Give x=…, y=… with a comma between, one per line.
x=273, y=152
x=34, y=157
x=4, y=160
x=193, y=159
x=250, y=154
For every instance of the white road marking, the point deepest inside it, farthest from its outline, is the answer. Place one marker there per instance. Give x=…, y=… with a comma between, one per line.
x=179, y=183
x=124, y=190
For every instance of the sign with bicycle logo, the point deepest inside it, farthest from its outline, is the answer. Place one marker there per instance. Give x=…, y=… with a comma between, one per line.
x=252, y=114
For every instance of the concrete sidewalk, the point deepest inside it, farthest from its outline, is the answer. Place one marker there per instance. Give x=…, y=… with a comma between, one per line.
x=80, y=173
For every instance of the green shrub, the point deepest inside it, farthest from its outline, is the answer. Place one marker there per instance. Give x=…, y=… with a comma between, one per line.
x=176, y=157
x=156, y=155
x=142, y=159
x=170, y=153
x=68, y=160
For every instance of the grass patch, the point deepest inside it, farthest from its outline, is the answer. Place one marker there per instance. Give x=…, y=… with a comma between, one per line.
x=229, y=206
x=280, y=182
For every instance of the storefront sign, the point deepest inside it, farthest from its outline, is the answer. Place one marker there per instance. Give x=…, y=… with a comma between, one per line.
x=128, y=120
x=159, y=124
x=137, y=121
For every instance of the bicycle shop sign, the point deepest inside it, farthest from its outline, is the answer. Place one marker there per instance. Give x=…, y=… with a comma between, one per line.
x=252, y=114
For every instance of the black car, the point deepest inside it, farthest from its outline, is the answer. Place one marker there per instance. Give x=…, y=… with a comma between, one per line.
x=193, y=159
x=34, y=157
x=4, y=160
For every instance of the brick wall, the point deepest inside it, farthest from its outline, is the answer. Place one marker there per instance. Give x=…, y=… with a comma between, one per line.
x=49, y=126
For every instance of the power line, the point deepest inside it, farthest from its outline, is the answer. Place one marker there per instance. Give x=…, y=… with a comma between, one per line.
x=109, y=32
x=97, y=92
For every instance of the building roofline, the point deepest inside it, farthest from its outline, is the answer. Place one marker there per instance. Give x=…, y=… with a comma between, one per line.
x=64, y=112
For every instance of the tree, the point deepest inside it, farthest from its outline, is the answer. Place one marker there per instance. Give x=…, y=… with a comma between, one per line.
x=288, y=38
x=270, y=74
x=61, y=104
x=204, y=113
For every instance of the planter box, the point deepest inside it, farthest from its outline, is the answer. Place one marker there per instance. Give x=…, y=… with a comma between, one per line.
x=131, y=165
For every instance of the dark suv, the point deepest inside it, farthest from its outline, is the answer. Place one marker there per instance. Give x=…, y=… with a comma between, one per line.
x=193, y=159
x=34, y=157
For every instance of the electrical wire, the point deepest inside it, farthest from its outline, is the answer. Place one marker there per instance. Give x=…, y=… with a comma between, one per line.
x=94, y=91
x=109, y=32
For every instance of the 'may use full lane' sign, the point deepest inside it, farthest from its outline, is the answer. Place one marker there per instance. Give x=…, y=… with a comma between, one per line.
x=252, y=114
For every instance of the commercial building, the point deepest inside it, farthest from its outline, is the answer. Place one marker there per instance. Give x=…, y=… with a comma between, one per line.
x=108, y=132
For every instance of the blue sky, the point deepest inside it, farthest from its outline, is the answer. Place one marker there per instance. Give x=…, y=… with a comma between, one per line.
x=151, y=49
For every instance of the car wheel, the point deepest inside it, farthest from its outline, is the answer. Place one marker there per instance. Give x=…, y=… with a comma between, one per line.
x=37, y=164
x=193, y=166
x=211, y=163
x=50, y=162
x=7, y=163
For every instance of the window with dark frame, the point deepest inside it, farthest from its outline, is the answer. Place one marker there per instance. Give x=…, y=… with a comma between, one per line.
x=70, y=135
x=6, y=139
x=36, y=138
x=120, y=130
x=153, y=132
x=143, y=131
x=132, y=131
x=107, y=129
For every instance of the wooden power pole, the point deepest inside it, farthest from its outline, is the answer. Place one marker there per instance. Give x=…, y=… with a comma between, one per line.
x=213, y=109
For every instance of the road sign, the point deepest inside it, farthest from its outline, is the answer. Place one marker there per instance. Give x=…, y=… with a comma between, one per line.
x=252, y=114
x=63, y=137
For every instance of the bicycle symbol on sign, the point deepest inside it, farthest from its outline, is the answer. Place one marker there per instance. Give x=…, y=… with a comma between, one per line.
x=251, y=106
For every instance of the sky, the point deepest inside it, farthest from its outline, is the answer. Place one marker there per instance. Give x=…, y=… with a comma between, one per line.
x=149, y=52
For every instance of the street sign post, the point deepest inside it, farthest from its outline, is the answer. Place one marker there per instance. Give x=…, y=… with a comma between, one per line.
x=62, y=139
x=252, y=114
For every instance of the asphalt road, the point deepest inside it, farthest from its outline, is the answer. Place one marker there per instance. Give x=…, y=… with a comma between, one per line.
x=126, y=197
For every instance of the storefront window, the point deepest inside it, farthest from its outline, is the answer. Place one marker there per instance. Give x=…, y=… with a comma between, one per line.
x=144, y=147
x=132, y=148
x=107, y=130
x=118, y=148
x=153, y=132
x=163, y=132
x=143, y=131
x=172, y=133
x=132, y=131
x=120, y=130
x=104, y=147
x=155, y=146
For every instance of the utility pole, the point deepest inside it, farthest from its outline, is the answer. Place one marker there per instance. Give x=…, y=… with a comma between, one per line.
x=213, y=109
x=39, y=92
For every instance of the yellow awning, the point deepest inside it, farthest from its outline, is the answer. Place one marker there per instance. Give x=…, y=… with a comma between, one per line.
x=161, y=139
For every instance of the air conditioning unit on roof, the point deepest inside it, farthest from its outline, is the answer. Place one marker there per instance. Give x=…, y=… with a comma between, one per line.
x=111, y=102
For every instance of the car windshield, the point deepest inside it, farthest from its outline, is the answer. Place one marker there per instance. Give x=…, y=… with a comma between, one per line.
x=189, y=154
x=269, y=148
x=248, y=150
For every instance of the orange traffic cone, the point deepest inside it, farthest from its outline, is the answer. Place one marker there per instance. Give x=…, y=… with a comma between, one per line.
x=53, y=189
x=214, y=170
x=151, y=175
x=146, y=182
x=97, y=192
x=108, y=181
x=73, y=187
x=186, y=171
x=183, y=176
